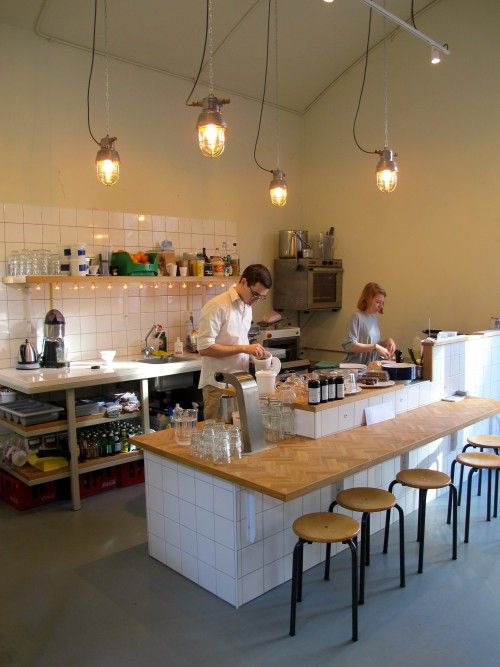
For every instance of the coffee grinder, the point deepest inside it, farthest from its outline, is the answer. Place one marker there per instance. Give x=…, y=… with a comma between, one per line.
x=53, y=353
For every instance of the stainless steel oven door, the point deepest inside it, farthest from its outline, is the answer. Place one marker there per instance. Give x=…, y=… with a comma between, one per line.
x=324, y=287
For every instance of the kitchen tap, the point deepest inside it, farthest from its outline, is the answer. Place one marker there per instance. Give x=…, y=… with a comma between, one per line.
x=147, y=350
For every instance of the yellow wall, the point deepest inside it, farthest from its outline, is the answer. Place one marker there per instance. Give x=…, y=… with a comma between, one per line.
x=434, y=242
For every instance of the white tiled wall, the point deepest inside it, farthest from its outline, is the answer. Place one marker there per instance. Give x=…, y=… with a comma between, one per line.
x=99, y=318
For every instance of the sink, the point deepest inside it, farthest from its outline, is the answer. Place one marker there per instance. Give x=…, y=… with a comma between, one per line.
x=160, y=360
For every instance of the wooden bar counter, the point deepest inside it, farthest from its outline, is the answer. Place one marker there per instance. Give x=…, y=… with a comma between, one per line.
x=300, y=465
x=228, y=527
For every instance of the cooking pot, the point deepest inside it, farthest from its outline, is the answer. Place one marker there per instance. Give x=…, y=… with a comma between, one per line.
x=292, y=242
x=402, y=372
x=227, y=405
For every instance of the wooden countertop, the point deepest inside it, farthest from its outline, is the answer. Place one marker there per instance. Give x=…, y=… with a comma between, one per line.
x=299, y=465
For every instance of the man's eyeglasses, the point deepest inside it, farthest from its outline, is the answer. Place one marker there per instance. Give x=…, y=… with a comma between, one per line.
x=256, y=296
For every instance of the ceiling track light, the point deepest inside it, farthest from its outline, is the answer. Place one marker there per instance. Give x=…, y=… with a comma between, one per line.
x=107, y=159
x=435, y=56
x=211, y=126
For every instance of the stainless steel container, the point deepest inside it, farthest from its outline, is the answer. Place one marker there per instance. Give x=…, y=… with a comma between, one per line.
x=292, y=242
x=54, y=325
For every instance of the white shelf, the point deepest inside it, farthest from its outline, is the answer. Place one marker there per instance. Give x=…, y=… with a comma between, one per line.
x=61, y=424
x=120, y=280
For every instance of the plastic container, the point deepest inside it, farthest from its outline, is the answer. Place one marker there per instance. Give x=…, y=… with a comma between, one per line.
x=28, y=412
x=125, y=265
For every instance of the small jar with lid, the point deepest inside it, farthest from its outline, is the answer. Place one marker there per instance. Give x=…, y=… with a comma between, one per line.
x=313, y=392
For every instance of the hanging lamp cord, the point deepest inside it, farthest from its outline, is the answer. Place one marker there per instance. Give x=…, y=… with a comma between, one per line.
x=363, y=87
x=90, y=74
x=188, y=103
x=263, y=92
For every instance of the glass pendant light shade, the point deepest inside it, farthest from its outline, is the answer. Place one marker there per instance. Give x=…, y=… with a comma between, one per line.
x=278, y=188
x=211, y=127
x=107, y=162
x=387, y=171
x=435, y=56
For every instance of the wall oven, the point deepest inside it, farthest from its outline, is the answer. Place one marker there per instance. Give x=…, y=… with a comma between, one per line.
x=307, y=284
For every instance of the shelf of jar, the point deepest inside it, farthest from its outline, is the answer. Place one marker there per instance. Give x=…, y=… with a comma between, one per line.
x=111, y=280
x=32, y=476
x=61, y=424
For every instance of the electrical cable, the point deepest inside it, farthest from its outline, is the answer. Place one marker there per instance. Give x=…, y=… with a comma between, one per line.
x=90, y=74
x=413, y=15
x=263, y=92
x=202, y=57
x=363, y=87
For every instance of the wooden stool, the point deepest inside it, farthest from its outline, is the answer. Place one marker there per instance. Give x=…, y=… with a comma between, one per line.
x=367, y=500
x=477, y=461
x=423, y=480
x=482, y=442
x=325, y=527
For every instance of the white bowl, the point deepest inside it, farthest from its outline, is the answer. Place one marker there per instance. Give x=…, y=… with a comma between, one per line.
x=107, y=356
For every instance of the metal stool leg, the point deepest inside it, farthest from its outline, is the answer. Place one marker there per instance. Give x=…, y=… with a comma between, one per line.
x=367, y=535
x=329, y=548
x=480, y=477
x=402, y=579
x=453, y=498
x=452, y=480
x=464, y=449
x=300, y=572
x=421, y=512
x=421, y=503
x=467, y=507
x=293, y=602
x=488, y=500
x=353, y=546
x=388, y=518
x=495, y=506
x=362, y=558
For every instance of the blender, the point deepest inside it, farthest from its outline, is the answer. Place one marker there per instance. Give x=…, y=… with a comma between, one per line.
x=53, y=353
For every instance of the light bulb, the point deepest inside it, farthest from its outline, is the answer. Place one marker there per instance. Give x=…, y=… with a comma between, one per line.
x=435, y=56
x=107, y=162
x=211, y=126
x=387, y=171
x=278, y=188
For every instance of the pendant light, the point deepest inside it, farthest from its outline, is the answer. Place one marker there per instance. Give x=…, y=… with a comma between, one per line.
x=386, y=170
x=211, y=126
x=107, y=159
x=278, y=188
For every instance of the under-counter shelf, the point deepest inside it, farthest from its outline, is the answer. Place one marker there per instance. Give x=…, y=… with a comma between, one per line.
x=31, y=476
x=61, y=424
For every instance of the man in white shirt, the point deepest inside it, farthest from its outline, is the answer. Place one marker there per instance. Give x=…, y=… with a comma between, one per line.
x=223, y=333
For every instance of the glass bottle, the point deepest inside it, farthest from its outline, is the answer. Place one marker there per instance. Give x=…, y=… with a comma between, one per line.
x=235, y=260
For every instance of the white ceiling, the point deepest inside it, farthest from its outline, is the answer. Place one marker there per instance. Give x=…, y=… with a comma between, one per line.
x=317, y=41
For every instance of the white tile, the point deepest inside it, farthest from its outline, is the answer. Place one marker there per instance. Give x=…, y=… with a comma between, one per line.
x=155, y=523
x=185, y=470
x=172, y=532
x=187, y=514
x=13, y=213
x=204, y=493
x=224, y=532
x=189, y=567
x=252, y=585
x=157, y=548
x=173, y=557
x=205, y=524
x=274, y=574
x=311, y=502
x=273, y=521
x=225, y=560
x=292, y=509
x=207, y=577
x=226, y=588
x=14, y=233
x=170, y=481
x=154, y=499
x=206, y=550
x=268, y=502
x=186, y=488
x=32, y=214
x=252, y=558
x=224, y=503
x=274, y=547
x=189, y=543
x=171, y=506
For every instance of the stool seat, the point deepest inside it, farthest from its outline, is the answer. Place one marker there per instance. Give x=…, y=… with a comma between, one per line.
x=487, y=441
x=366, y=499
x=421, y=478
x=325, y=527
x=479, y=460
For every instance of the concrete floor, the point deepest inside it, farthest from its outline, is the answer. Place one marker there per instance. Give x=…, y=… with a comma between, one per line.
x=78, y=589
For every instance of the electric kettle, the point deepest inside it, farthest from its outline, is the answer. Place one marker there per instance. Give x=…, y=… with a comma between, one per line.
x=27, y=358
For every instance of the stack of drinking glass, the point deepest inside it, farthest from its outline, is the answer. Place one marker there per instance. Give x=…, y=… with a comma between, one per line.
x=277, y=417
x=38, y=262
x=217, y=442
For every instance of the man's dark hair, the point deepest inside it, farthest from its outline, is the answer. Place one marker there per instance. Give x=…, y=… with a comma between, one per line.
x=257, y=273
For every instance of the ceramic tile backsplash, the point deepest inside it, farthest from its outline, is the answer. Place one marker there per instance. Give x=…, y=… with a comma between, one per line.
x=90, y=328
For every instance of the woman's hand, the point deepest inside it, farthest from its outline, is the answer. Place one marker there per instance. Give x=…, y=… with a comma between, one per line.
x=382, y=351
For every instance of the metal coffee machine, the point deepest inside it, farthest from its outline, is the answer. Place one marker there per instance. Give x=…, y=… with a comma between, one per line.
x=53, y=352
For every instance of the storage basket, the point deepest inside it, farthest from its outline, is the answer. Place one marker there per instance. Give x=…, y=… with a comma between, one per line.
x=98, y=481
x=131, y=473
x=125, y=266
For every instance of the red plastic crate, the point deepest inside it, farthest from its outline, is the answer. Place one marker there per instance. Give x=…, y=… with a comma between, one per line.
x=98, y=481
x=131, y=473
x=22, y=496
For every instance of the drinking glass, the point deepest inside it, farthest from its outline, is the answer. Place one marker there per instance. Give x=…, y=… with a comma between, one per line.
x=184, y=427
x=14, y=263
